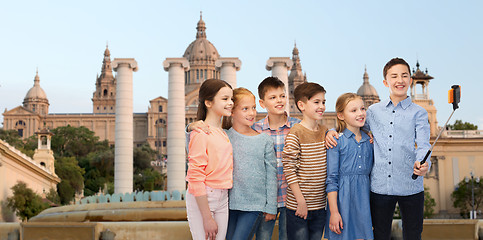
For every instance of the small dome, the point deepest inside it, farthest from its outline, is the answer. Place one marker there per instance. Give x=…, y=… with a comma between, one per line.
x=36, y=92
x=367, y=90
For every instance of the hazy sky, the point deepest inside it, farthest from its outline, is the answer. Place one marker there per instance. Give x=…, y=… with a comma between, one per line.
x=336, y=39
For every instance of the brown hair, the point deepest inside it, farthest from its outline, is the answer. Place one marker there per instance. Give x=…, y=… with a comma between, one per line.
x=208, y=90
x=306, y=91
x=267, y=83
x=392, y=62
x=340, y=105
x=238, y=94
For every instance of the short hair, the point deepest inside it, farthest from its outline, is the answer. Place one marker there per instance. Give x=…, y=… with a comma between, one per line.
x=208, y=90
x=340, y=105
x=267, y=83
x=306, y=91
x=392, y=62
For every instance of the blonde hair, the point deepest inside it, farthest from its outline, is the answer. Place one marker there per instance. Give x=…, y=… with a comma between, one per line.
x=340, y=105
x=238, y=94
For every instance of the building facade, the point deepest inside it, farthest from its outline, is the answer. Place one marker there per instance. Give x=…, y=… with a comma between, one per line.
x=453, y=158
x=38, y=172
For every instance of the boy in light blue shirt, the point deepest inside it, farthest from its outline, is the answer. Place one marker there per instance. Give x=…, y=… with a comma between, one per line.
x=401, y=139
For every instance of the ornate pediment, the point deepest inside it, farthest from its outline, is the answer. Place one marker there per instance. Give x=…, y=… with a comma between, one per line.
x=20, y=110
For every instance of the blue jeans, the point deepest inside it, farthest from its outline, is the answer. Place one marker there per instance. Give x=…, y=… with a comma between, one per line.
x=265, y=229
x=242, y=224
x=310, y=228
x=412, y=210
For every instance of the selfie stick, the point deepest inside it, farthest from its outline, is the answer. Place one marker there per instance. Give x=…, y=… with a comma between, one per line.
x=454, y=95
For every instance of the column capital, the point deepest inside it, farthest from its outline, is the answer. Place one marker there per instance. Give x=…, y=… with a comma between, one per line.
x=131, y=63
x=285, y=61
x=171, y=61
x=234, y=61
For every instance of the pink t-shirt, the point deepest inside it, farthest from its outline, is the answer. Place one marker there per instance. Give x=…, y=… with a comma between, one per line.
x=210, y=162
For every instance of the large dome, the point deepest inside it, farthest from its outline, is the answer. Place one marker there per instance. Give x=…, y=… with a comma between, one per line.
x=201, y=49
x=36, y=93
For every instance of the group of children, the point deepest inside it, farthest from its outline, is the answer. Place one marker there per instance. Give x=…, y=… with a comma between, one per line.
x=242, y=174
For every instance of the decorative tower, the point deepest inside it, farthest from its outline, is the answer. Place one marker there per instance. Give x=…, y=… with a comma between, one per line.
x=295, y=78
x=104, y=98
x=36, y=99
x=367, y=91
x=422, y=97
x=43, y=154
x=201, y=55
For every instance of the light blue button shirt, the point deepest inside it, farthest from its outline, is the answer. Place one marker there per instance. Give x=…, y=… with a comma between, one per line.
x=401, y=137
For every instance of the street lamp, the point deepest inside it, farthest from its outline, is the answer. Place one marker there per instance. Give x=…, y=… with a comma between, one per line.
x=473, y=212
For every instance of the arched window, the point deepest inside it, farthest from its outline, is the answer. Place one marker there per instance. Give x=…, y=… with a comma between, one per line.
x=105, y=92
x=160, y=108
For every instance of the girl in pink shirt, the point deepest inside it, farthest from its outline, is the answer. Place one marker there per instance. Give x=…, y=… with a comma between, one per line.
x=210, y=168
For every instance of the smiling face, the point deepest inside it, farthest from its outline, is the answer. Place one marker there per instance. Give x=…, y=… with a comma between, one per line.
x=354, y=114
x=398, y=80
x=274, y=101
x=314, y=107
x=245, y=111
x=222, y=103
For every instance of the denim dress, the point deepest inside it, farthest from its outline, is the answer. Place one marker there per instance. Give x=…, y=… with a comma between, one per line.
x=349, y=167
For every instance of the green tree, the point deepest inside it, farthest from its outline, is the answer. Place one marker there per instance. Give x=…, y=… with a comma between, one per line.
x=11, y=137
x=460, y=125
x=70, y=141
x=71, y=176
x=25, y=202
x=26, y=146
x=99, y=167
x=143, y=156
x=429, y=203
x=53, y=196
x=149, y=180
x=462, y=198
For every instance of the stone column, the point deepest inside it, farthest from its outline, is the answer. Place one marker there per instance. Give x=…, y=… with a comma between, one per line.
x=176, y=119
x=228, y=68
x=279, y=67
x=123, y=158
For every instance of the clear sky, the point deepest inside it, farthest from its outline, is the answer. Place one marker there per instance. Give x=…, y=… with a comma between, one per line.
x=336, y=39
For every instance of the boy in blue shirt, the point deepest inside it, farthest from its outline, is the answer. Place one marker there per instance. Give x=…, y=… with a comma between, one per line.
x=401, y=139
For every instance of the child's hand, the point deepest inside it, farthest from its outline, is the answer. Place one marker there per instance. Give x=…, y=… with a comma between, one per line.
x=301, y=210
x=372, y=137
x=269, y=217
x=330, y=142
x=336, y=224
x=419, y=169
x=211, y=228
x=199, y=126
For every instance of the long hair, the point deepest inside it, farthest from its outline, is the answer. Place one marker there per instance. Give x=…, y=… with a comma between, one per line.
x=208, y=90
x=340, y=105
x=238, y=94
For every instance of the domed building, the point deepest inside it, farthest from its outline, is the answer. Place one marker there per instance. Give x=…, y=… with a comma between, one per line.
x=36, y=99
x=201, y=55
x=367, y=91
